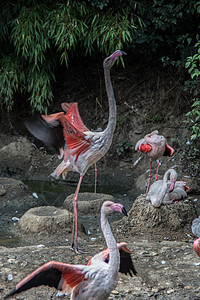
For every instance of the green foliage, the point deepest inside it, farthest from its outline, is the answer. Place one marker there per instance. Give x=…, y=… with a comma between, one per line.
x=41, y=34
x=124, y=146
x=122, y=121
x=157, y=118
x=193, y=117
x=193, y=66
x=169, y=29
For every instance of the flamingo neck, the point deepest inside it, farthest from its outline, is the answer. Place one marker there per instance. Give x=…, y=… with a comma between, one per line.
x=112, y=103
x=114, y=257
x=164, y=186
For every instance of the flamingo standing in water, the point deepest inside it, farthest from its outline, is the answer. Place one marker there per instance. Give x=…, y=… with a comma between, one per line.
x=155, y=146
x=94, y=281
x=79, y=147
x=167, y=191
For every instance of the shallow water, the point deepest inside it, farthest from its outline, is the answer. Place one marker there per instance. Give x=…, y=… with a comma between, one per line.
x=53, y=193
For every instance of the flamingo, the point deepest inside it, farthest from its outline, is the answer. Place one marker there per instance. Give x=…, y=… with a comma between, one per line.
x=155, y=146
x=167, y=191
x=196, y=246
x=74, y=142
x=95, y=280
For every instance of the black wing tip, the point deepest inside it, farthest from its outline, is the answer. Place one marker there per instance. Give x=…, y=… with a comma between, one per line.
x=126, y=264
x=10, y=294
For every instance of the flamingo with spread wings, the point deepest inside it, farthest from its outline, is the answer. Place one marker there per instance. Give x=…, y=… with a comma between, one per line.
x=155, y=146
x=72, y=140
x=94, y=281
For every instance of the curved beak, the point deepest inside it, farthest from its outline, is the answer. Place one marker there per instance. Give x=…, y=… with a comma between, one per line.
x=172, y=186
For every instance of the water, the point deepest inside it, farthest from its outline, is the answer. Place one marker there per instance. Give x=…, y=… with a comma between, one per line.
x=53, y=193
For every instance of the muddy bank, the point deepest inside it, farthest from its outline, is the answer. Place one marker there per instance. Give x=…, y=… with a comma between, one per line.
x=167, y=266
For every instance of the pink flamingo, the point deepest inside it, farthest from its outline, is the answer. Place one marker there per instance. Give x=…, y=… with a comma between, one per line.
x=79, y=147
x=196, y=246
x=167, y=191
x=155, y=146
x=94, y=281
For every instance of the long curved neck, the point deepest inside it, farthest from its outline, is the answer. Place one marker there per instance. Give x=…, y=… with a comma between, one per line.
x=114, y=257
x=164, y=186
x=166, y=177
x=112, y=103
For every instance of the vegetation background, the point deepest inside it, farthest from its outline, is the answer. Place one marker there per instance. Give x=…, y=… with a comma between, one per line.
x=38, y=37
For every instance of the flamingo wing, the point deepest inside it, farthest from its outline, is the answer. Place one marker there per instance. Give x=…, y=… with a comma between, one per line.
x=48, y=130
x=63, y=277
x=76, y=142
x=126, y=264
x=73, y=115
x=169, y=151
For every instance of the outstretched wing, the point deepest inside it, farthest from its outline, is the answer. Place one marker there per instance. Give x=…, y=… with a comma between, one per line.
x=126, y=264
x=64, y=132
x=48, y=132
x=73, y=115
x=63, y=277
x=76, y=141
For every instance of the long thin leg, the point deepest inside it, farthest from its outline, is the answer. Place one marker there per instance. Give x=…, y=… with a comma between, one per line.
x=156, y=178
x=149, y=177
x=74, y=244
x=95, y=182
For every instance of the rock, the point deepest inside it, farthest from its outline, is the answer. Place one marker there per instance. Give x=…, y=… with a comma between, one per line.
x=15, y=156
x=2, y=190
x=88, y=203
x=46, y=219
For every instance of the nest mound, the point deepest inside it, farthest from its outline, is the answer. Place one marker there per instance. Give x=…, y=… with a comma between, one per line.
x=88, y=203
x=144, y=218
x=46, y=219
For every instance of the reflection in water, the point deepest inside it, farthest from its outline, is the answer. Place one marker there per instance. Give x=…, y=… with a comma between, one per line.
x=53, y=193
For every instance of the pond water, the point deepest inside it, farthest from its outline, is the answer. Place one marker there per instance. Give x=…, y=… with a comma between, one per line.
x=53, y=193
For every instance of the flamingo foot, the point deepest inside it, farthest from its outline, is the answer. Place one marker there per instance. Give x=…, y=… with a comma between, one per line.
x=77, y=250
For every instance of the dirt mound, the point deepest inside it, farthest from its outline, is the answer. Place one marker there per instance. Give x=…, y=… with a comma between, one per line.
x=166, y=221
x=88, y=203
x=46, y=219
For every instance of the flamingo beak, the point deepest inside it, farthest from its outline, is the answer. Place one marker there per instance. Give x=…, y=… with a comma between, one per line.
x=119, y=207
x=172, y=186
x=116, y=54
x=124, y=211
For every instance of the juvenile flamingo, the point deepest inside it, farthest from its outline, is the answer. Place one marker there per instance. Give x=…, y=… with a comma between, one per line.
x=79, y=147
x=155, y=146
x=94, y=281
x=167, y=191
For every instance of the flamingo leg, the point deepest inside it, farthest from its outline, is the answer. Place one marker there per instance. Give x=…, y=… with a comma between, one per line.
x=156, y=178
x=95, y=182
x=74, y=244
x=149, y=177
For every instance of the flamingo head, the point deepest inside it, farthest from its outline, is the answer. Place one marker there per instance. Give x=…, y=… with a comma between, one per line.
x=196, y=246
x=110, y=60
x=109, y=207
x=173, y=178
